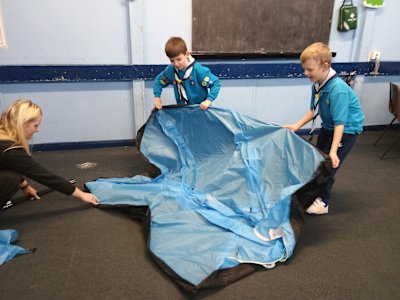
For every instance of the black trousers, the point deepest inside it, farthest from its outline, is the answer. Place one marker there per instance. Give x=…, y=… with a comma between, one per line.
x=324, y=142
x=9, y=185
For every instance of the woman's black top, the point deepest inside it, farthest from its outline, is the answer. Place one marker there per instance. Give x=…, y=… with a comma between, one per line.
x=17, y=160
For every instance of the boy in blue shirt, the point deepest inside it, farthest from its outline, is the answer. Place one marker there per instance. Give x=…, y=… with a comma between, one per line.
x=192, y=82
x=340, y=111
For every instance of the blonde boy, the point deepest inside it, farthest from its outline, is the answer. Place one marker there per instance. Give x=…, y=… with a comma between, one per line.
x=339, y=109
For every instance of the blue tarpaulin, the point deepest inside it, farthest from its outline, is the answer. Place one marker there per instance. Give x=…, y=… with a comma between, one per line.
x=223, y=196
x=8, y=251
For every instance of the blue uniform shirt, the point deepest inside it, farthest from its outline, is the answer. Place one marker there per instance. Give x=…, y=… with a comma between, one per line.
x=200, y=86
x=339, y=105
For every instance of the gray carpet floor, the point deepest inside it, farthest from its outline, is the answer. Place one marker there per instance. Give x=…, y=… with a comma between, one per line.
x=90, y=253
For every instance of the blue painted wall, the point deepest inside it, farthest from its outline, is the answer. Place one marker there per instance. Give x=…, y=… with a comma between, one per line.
x=100, y=34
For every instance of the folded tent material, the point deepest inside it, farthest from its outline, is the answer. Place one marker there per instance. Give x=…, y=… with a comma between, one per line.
x=7, y=250
x=223, y=197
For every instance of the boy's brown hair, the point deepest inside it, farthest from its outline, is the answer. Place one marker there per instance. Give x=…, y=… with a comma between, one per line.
x=175, y=46
x=320, y=52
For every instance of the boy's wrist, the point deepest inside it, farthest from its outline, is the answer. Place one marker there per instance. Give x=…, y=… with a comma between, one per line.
x=206, y=103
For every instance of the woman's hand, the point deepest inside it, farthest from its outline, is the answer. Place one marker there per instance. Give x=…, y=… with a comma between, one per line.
x=31, y=192
x=90, y=198
x=86, y=197
x=28, y=190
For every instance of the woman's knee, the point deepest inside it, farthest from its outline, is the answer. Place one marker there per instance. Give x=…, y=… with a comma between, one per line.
x=10, y=183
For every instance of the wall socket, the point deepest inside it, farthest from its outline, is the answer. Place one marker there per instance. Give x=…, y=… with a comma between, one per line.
x=374, y=55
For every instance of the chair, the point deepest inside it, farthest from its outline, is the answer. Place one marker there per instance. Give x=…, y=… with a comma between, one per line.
x=394, y=108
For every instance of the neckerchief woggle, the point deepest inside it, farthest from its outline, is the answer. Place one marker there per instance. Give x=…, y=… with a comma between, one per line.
x=317, y=89
x=179, y=81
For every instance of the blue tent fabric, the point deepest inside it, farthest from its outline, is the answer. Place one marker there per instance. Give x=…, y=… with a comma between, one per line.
x=223, y=197
x=8, y=251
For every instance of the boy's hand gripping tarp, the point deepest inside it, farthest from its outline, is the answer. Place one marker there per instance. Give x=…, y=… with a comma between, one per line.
x=223, y=196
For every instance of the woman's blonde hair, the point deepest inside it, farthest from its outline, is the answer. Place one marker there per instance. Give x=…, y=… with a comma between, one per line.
x=320, y=52
x=13, y=120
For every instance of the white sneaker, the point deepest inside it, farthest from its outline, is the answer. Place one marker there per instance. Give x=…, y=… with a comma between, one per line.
x=8, y=204
x=318, y=207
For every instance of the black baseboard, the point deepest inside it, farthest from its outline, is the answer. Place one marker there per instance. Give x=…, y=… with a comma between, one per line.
x=81, y=145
